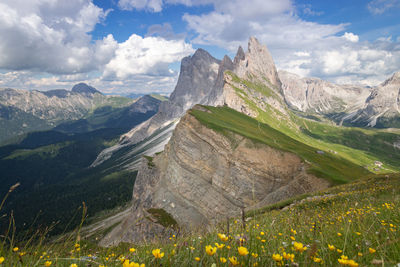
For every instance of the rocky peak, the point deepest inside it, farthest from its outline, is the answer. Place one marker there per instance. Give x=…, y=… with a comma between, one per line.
x=395, y=79
x=83, y=88
x=240, y=55
x=257, y=63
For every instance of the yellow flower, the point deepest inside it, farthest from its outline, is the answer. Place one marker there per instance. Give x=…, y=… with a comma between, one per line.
x=101, y=265
x=47, y=263
x=331, y=247
x=359, y=254
x=299, y=247
x=210, y=250
x=243, y=251
x=77, y=245
x=293, y=238
x=15, y=249
x=197, y=259
x=293, y=231
x=255, y=255
x=157, y=253
x=22, y=254
x=223, y=237
x=352, y=263
x=132, y=264
x=262, y=233
x=339, y=250
x=277, y=257
x=233, y=260
x=131, y=250
x=358, y=233
x=371, y=250
x=1, y=260
x=73, y=265
x=219, y=245
x=222, y=259
x=288, y=256
x=339, y=234
x=317, y=260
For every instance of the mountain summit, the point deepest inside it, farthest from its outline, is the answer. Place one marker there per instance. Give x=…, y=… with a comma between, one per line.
x=83, y=88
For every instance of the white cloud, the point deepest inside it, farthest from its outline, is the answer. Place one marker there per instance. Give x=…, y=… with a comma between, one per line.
x=351, y=37
x=148, y=56
x=150, y=5
x=304, y=47
x=51, y=36
x=378, y=7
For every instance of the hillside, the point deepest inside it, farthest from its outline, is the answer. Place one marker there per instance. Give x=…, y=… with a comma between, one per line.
x=356, y=224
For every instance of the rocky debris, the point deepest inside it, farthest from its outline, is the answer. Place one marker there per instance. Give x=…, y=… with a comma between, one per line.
x=202, y=178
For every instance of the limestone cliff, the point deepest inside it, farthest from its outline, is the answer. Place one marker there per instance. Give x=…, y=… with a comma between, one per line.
x=203, y=177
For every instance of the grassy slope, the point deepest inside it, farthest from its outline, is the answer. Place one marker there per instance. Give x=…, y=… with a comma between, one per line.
x=328, y=165
x=359, y=145
x=360, y=220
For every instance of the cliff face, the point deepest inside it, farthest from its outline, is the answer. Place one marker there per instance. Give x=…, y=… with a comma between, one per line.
x=203, y=177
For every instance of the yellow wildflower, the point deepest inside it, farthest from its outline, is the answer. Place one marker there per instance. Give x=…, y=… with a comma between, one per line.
x=233, y=260
x=197, y=259
x=223, y=237
x=157, y=253
x=1, y=260
x=262, y=233
x=222, y=259
x=339, y=250
x=210, y=250
x=331, y=247
x=317, y=260
x=339, y=234
x=358, y=233
x=219, y=245
x=277, y=257
x=293, y=231
x=47, y=263
x=288, y=256
x=255, y=255
x=77, y=245
x=299, y=247
x=359, y=254
x=243, y=251
x=131, y=250
x=352, y=263
x=371, y=250
x=15, y=249
x=73, y=265
x=22, y=254
x=293, y=238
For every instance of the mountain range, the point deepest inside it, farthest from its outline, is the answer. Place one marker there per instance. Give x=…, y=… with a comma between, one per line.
x=234, y=135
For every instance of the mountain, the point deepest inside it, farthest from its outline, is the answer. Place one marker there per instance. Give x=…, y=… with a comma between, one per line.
x=23, y=111
x=52, y=167
x=316, y=96
x=248, y=151
x=382, y=107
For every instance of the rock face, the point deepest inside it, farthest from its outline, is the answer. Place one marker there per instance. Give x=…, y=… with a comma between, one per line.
x=313, y=95
x=202, y=177
x=382, y=107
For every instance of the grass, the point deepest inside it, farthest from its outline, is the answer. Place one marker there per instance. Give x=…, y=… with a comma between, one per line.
x=359, y=220
x=328, y=165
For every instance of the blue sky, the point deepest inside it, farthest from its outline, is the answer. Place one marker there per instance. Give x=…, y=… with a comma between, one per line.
x=123, y=46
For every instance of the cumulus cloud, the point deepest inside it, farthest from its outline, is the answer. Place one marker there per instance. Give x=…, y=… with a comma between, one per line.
x=150, y=5
x=149, y=56
x=379, y=7
x=306, y=48
x=51, y=36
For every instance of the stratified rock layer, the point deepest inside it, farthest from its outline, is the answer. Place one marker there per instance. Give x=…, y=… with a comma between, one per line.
x=203, y=177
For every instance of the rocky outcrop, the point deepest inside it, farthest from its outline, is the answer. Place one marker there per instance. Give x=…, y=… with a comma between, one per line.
x=203, y=177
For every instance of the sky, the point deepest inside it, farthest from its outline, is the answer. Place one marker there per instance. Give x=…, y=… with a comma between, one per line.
x=135, y=46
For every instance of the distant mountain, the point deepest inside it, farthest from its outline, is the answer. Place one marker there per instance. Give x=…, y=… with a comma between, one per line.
x=23, y=111
x=382, y=107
